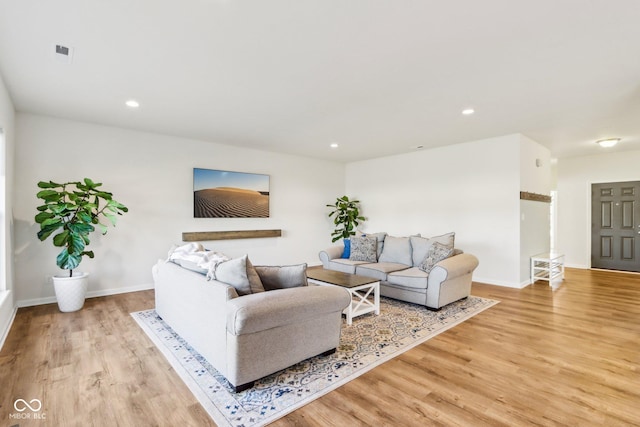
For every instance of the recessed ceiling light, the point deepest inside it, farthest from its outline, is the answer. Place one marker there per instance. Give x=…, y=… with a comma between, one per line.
x=132, y=103
x=609, y=142
x=334, y=145
x=468, y=111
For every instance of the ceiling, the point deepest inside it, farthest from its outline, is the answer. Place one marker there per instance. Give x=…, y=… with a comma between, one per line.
x=293, y=76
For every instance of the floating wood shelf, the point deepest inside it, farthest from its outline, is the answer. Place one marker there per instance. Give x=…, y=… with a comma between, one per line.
x=196, y=236
x=525, y=195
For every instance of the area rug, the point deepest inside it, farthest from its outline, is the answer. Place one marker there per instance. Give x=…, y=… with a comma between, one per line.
x=369, y=342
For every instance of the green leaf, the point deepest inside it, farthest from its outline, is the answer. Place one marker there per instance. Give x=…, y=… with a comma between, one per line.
x=80, y=228
x=50, y=184
x=68, y=261
x=85, y=217
x=48, y=195
x=42, y=216
x=61, y=239
x=47, y=230
x=112, y=218
x=75, y=243
x=105, y=195
x=88, y=253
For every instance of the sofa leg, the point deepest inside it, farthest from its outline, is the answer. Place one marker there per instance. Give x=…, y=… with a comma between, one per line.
x=328, y=352
x=243, y=387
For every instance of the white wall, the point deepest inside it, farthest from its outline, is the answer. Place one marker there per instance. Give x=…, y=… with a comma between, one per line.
x=575, y=176
x=152, y=175
x=7, y=306
x=535, y=177
x=470, y=188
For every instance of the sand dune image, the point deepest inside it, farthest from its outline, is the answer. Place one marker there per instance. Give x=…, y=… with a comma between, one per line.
x=228, y=202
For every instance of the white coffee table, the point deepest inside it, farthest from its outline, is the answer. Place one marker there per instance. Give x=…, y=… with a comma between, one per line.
x=364, y=291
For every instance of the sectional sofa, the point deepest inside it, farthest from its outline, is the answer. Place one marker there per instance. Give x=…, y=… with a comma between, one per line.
x=409, y=268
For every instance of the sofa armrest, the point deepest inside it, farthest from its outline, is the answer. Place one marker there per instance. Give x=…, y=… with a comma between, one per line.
x=452, y=267
x=330, y=253
x=267, y=310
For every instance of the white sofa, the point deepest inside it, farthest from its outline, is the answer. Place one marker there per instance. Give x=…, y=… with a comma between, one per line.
x=396, y=264
x=250, y=336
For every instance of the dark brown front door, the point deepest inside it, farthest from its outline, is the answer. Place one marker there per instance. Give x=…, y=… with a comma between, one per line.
x=615, y=211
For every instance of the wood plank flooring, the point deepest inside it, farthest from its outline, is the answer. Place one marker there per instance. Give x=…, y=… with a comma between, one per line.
x=539, y=358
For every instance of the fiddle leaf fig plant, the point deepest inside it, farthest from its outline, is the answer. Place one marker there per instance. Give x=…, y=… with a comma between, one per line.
x=73, y=210
x=346, y=217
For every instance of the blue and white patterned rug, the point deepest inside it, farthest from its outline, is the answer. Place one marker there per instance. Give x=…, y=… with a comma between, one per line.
x=369, y=342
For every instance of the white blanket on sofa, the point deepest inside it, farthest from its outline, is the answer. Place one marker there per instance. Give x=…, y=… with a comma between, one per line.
x=196, y=254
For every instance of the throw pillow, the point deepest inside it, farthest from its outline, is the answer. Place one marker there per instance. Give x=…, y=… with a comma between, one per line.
x=347, y=248
x=379, y=236
x=420, y=245
x=396, y=250
x=254, y=280
x=436, y=253
x=364, y=249
x=234, y=273
x=282, y=276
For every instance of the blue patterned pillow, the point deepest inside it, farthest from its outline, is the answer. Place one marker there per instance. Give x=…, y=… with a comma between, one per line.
x=436, y=253
x=364, y=249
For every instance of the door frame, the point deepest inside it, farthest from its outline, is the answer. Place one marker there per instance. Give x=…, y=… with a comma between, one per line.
x=588, y=235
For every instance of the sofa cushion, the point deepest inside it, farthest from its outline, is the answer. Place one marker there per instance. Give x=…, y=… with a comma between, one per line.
x=436, y=253
x=234, y=273
x=345, y=265
x=420, y=245
x=379, y=270
x=409, y=278
x=282, y=276
x=363, y=249
x=379, y=237
x=396, y=250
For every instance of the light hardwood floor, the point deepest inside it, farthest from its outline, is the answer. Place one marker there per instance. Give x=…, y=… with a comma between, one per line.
x=540, y=357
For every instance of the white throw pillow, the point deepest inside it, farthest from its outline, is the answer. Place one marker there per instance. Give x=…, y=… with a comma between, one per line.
x=234, y=273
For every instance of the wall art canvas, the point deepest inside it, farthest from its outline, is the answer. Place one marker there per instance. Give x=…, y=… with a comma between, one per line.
x=226, y=194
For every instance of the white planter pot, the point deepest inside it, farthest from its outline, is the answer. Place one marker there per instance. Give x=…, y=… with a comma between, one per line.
x=71, y=291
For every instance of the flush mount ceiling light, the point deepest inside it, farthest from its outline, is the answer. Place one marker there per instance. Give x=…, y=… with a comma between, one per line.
x=468, y=111
x=132, y=103
x=609, y=142
x=334, y=145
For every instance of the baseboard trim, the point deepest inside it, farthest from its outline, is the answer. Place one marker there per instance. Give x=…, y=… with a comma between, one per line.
x=4, y=329
x=497, y=283
x=90, y=294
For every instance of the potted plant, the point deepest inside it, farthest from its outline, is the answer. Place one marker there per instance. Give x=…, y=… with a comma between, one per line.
x=346, y=215
x=73, y=210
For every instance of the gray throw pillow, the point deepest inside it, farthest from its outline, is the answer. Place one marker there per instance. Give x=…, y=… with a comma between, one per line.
x=396, y=250
x=234, y=273
x=364, y=249
x=379, y=237
x=254, y=280
x=282, y=276
x=436, y=253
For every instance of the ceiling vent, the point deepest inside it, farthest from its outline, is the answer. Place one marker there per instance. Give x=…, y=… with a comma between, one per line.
x=63, y=54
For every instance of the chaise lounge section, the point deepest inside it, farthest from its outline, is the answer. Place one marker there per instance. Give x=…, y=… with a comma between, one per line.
x=426, y=271
x=249, y=334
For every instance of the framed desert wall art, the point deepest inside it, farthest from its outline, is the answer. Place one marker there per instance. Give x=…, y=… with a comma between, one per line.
x=226, y=194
